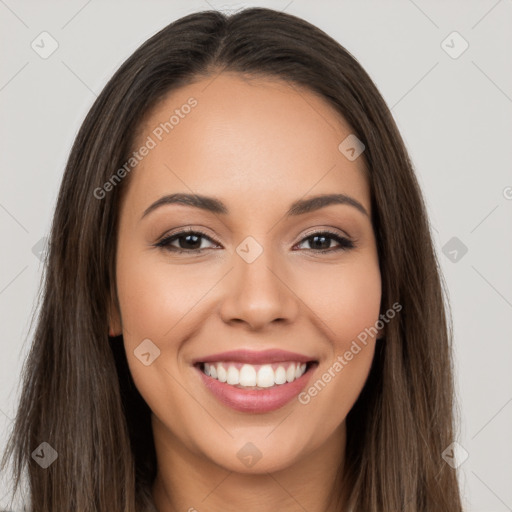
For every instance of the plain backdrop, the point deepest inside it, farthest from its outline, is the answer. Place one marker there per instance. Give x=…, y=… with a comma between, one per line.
x=452, y=104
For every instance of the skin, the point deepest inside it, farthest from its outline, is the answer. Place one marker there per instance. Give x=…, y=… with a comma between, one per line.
x=243, y=142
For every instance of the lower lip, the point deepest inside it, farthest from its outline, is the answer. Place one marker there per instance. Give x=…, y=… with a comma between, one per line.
x=253, y=400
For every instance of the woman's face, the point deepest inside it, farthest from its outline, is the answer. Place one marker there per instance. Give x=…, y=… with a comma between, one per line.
x=269, y=288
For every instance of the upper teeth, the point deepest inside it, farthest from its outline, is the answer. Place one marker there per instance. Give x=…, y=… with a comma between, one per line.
x=248, y=375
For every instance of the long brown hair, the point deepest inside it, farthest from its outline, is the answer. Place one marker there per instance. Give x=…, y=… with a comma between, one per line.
x=78, y=395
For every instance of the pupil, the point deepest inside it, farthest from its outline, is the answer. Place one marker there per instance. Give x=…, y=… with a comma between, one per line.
x=323, y=244
x=188, y=237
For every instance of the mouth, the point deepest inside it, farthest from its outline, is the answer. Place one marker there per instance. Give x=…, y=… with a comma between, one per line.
x=255, y=382
x=255, y=376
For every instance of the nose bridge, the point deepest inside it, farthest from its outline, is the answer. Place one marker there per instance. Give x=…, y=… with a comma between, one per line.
x=257, y=293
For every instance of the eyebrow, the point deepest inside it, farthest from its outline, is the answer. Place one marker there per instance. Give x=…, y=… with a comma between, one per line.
x=214, y=205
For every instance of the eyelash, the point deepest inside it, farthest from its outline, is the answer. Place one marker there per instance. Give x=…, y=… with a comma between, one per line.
x=345, y=243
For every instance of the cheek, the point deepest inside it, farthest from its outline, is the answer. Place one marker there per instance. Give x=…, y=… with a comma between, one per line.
x=159, y=302
x=345, y=298
x=154, y=296
x=356, y=304
x=347, y=301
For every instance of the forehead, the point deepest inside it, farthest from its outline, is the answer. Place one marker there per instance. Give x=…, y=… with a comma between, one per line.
x=245, y=140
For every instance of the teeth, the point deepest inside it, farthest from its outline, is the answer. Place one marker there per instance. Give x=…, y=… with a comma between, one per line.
x=251, y=376
x=266, y=377
x=222, y=374
x=247, y=375
x=233, y=375
x=280, y=375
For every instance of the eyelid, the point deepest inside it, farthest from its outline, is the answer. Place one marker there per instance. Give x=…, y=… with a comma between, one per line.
x=324, y=229
x=308, y=233
x=179, y=232
x=345, y=242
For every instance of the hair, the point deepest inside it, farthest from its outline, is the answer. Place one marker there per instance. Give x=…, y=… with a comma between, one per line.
x=78, y=394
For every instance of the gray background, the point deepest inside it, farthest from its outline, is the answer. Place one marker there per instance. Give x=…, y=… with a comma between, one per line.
x=454, y=114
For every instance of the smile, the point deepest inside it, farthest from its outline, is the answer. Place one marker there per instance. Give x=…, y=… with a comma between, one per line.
x=251, y=376
x=255, y=382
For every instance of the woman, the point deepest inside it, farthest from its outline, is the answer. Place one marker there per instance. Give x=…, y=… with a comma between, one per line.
x=203, y=344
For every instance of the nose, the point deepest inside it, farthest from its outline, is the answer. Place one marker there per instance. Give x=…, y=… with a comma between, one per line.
x=259, y=293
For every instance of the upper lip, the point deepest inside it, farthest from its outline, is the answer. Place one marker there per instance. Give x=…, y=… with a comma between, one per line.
x=255, y=357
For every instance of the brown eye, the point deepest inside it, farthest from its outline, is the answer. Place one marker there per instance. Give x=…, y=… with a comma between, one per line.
x=321, y=242
x=188, y=241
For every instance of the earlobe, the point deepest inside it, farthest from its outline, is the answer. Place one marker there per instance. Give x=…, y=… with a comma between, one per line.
x=114, y=332
x=114, y=329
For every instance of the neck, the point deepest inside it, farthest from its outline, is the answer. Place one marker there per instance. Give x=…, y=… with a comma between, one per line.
x=188, y=482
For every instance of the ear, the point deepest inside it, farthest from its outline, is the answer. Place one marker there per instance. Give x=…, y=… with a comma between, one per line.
x=114, y=318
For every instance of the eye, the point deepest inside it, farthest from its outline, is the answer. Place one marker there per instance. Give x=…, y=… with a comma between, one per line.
x=190, y=241
x=321, y=242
